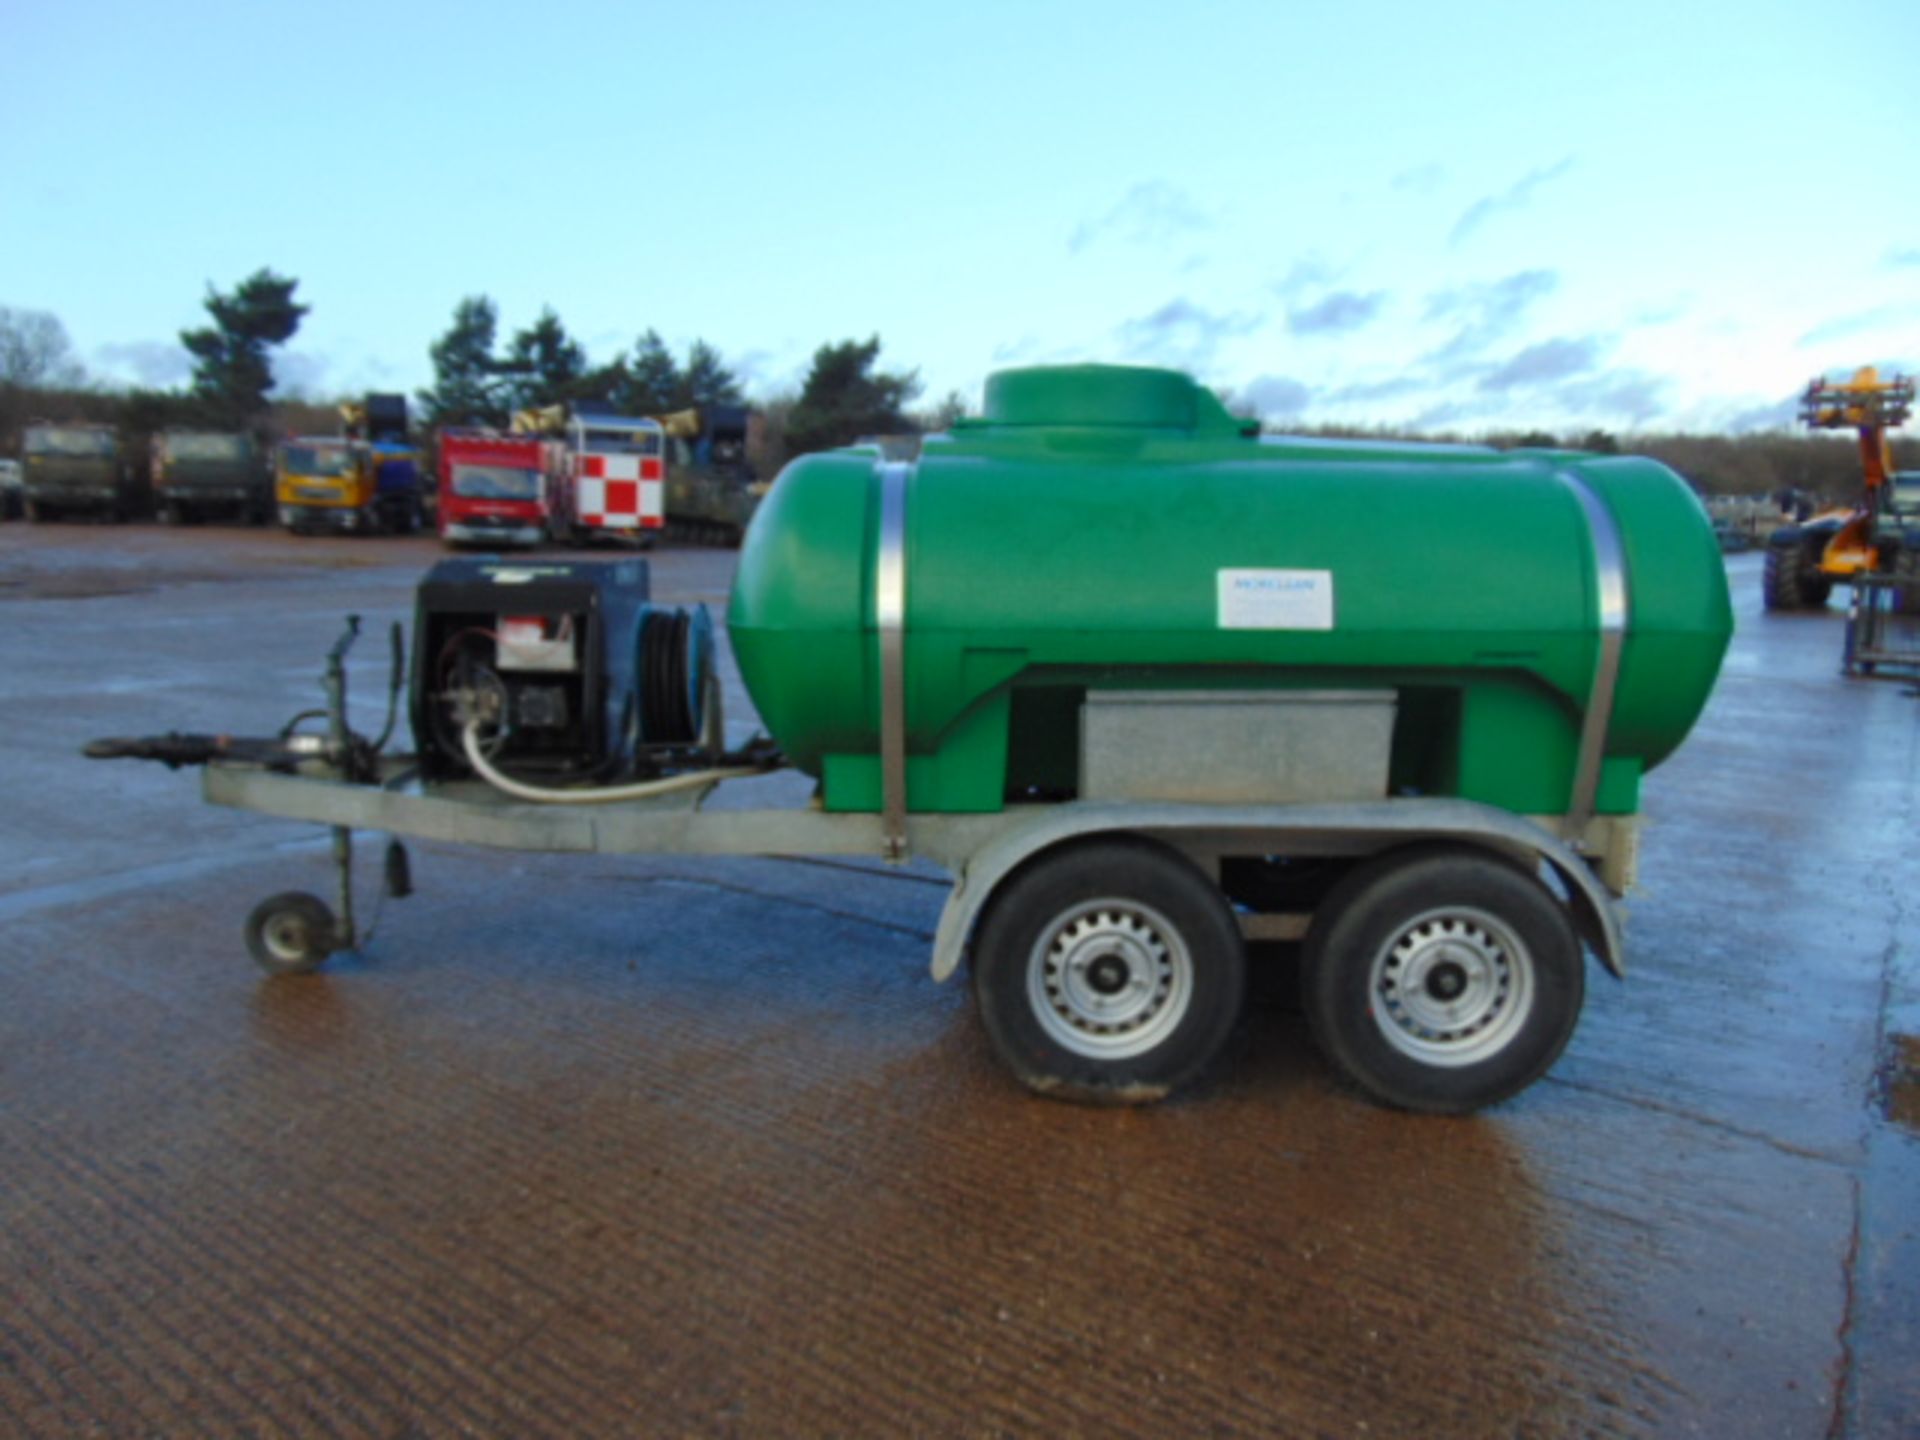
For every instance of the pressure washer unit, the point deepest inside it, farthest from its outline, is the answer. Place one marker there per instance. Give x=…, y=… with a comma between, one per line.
x=565, y=671
x=1150, y=684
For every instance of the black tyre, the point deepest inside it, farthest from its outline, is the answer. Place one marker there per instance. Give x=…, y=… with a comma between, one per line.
x=290, y=933
x=1442, y=979
x=1783, y=578
x=31, y=512
x=1111, y=971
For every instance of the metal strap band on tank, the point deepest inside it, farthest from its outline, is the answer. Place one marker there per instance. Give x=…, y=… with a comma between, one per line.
x=1610, y=584
x=890, y=619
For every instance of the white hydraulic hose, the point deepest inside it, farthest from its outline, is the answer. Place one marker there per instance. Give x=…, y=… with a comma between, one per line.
x=645, y=789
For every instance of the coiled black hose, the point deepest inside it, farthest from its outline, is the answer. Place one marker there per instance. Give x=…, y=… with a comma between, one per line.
x=666, y=693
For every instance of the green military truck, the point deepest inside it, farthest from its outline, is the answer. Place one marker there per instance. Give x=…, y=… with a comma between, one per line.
x=78, y=469
x=207, y=474
x=712, y=491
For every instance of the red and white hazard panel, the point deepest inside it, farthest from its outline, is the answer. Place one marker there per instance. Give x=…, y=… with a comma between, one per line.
x=621, y=492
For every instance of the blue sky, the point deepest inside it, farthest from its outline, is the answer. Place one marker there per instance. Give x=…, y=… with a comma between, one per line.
x=1469, y=215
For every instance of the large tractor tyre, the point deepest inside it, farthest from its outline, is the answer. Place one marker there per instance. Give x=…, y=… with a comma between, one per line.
x=1111, y=972
x=1442, y=979
x=1784, y=581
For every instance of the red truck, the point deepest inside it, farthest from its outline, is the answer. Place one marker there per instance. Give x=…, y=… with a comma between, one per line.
x=499, y=489
x=615, y=476
x=569, y=474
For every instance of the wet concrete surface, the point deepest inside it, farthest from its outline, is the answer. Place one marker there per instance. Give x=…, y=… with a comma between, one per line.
x=641, y=1146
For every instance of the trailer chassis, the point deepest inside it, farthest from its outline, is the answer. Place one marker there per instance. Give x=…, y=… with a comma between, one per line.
x=1440, y=940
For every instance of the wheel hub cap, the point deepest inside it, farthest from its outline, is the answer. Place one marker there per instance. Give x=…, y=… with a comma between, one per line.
x=286, y=937
x=1452, y=987
x=1109, y=975
x=1110, y=979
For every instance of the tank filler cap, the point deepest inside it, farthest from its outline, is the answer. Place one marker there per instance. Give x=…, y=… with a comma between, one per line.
x=1130, y=397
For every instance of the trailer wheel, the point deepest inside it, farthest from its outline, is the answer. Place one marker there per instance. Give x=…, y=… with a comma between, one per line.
x=1110, y=972
x=290, y=933
x=1442, y=979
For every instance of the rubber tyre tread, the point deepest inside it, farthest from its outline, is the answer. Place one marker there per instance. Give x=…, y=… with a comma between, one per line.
x=311, y=912
x=1032, y=898
x=1361, y=914
x=1782, y=580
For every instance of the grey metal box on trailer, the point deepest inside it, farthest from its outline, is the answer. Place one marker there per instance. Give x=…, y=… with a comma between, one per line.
x=1236, y=746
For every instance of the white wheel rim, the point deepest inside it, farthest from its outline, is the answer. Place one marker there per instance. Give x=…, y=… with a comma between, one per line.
x=1452, y=987
x=1109, y=979
x=287, y=937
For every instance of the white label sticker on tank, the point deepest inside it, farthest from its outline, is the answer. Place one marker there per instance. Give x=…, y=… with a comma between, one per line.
x=1276, y=599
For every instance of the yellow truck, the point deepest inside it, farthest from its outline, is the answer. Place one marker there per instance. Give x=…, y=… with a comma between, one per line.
x=365, y=482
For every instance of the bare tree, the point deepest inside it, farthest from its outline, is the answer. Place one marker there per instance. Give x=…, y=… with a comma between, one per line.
x=35, y=353
x=941, y=417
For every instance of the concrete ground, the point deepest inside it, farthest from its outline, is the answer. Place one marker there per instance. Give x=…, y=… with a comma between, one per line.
x=609, y=1146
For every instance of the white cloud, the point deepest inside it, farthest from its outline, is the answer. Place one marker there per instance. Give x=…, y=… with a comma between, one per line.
x=1152, y=213
x=1516, y=196
x=156, y=364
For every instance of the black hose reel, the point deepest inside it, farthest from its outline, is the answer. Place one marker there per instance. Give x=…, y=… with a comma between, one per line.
x=673, y=669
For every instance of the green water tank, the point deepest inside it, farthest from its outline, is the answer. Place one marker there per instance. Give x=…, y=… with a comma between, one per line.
x=1114, y=529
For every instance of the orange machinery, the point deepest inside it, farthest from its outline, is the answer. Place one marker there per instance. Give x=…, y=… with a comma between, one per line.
x=1873, y=537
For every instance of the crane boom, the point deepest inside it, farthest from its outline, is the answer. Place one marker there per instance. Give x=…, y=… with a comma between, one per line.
x=1866, y=404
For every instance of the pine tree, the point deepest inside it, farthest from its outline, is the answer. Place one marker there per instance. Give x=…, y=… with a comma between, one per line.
x=467, y=387
x=546, y=364
x=844, y=400
x=706, y=380
x=231, y=371
x=653, y=379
